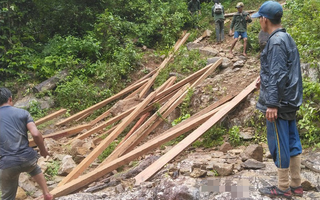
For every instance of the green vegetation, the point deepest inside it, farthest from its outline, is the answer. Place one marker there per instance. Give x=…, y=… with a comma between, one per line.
x=234, y=136
x=212, y=137
x=52, y=170
x=309, y=115
x=302, y=22
x=108, y=150
x=99, y=44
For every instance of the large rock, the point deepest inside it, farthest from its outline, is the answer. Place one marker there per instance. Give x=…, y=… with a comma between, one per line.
x=223, y=169
x=197, y=173
x=253, y=164
x=225, y=147
x=21, y=194
x=26, y=184
x=209, y=51
x=254, y=151
x=67, y=165
x=192, y=46
x=30, y=100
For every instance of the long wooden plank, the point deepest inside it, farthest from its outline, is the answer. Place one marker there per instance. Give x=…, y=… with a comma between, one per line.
x=63, y=133
x=134, y=128
x=101, y=117
x=151, y=145
x=119, y=117
x=176, y=150
x=77, y=171
x=148, y=126
x=206, y=33
x=136, y=93
x=102, y=103
x=181, y=83
x=172, y=107
x=100, y=137
x=231, y=14
x=166, y=84
x=50, y=117
x=163, y=64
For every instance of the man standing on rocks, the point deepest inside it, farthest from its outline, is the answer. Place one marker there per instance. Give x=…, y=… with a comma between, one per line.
x=15, y=154
x=239, y=23
x=280, y=86
x=218, y=15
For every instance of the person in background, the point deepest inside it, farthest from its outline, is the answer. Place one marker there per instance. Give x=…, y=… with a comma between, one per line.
x=239, y=24
x=280, y=97
x=15, y=154
x=194, y=10
x=218, y=15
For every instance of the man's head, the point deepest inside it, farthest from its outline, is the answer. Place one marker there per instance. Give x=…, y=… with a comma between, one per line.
x=216, y=1
x=239, y=6
x=271, y=10
x=5, y=95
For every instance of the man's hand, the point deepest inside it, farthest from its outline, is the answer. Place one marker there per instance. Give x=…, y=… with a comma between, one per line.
x=230, y=32
x=272, y=114
x=258, y=83
x=44, y=153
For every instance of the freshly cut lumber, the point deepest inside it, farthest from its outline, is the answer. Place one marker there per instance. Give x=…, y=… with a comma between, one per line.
x=170, y=109
x=163, y=64
x=102, y=103
x=125, y=159
x=136, y=93
x=166, y=84
x=83, y=116
x=101, y=117
x=100, y=137
x=77, y=171
x=51, y=116
x=134, y=128
x=231, y=14
x=63, y=133
x=176, y=150
x=206, y=33
x=181, y=83
x=121, y=116
x=150, y=124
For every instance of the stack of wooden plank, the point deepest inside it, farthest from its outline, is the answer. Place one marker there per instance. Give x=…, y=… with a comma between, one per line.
x=169, y=95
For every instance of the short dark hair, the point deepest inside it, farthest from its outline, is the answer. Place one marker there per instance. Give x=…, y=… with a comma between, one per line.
x=277, y=18
x=216, y=1
x=5, y=94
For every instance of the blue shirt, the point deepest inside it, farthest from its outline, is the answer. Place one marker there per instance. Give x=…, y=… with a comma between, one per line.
x=14, y=143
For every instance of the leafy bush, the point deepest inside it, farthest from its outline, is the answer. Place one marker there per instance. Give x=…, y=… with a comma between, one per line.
x=234, y=136
x=212, y=137
x=302, y=21
x=78, y=95
x=309, y=114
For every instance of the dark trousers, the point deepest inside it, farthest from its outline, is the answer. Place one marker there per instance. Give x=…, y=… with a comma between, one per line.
x=219, y=25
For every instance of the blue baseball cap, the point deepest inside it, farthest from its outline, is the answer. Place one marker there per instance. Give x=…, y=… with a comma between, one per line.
x=270, y=10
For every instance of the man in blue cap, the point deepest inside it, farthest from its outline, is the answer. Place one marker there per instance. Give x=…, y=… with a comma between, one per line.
x=280, y=96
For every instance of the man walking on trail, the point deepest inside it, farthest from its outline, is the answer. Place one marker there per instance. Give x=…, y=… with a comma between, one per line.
x=15, y=154
x=195, y=10
x=280, y=97
x=239, y=23
x=218, y=15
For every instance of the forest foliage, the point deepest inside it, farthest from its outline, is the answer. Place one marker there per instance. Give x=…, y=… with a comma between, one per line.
x=99, y=43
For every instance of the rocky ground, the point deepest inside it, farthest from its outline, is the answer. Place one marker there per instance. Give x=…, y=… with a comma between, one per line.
x=222, y=172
